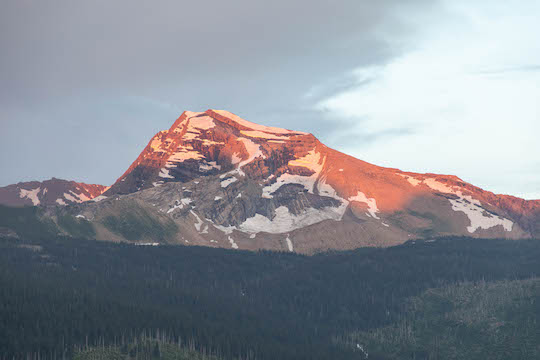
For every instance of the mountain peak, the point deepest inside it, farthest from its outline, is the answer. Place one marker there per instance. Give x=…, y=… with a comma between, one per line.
x=233, y=120
x=205, y=142
x=220, y=170
x=228, y=117
x=224, y=181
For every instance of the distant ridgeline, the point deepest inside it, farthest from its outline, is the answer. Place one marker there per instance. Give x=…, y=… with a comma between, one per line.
x=462, y=298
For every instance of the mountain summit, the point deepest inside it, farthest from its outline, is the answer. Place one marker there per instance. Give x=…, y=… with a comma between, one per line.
x=203, y=143
x=48, y=192
x=215, y=179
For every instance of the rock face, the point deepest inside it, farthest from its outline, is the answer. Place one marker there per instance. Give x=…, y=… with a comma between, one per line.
x=224, y=181
x=48, y=192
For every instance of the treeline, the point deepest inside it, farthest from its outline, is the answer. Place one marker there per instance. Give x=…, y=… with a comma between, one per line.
x=61, y=294
x=153, y=345
x=475, y=321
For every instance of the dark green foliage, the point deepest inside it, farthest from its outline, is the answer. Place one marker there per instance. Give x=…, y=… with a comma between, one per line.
x=476, y=321
x=143, y=348
x=77, y=227
x=26, y=221
x=137, y=224
x=238, y=304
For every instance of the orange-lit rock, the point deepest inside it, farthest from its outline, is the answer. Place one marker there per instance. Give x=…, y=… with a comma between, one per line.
x=49, y=192
x=232, y=183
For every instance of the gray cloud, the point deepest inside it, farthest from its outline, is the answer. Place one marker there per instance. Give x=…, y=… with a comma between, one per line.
x=86, y=84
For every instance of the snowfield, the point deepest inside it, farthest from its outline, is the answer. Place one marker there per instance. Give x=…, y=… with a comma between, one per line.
x=478, y=216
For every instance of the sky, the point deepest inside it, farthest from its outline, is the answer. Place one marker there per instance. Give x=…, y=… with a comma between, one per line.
x=440, y=86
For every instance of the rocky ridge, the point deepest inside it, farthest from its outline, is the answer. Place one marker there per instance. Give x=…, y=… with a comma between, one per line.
x=224, y=181
x=48, y=192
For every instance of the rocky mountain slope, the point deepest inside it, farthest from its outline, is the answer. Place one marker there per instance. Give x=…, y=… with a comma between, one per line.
x=48, y=192
x=215, y=179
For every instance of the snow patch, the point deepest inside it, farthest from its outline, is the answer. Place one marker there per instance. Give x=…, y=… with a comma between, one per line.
x=60, y=202
x=81, y=197
x=217, y=198
x=254, y=126
x=228, y=181
x=412, y=180
x=209, y=166
x=195, y=125
x=254, y=151
x=80, y=216
x=233, y=244
x=182, y=154
x=98, y=198
x=326, y=190
x=438, y=186
x=202, y=122
x=311, y=161
x=235, y=158
x=371, y=203
x=71, y=198
x=190, y=114
x=199, y=222
x=180, y=204
x=30, y=194
x=225, y=229
x=289, y=243
x=471, y=207
x=306, y=181
x=284, y=221
x=164, y=173
x=476, y=215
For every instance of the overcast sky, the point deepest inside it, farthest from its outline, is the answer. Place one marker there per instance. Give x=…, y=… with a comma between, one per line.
x=449, y=86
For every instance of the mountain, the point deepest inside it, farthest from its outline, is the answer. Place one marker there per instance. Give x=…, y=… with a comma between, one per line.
x=48, y=192
x=215, y=179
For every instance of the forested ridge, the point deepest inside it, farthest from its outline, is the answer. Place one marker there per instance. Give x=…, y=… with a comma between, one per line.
x=65, y=297
x=60, y=294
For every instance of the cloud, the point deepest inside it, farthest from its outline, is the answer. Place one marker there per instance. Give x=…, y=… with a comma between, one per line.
x=431, y=86
x=481, y=128
x=86, y=84
x=54, y=48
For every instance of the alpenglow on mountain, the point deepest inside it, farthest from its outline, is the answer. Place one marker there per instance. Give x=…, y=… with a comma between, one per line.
x=215, y=179
x=48, y=192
